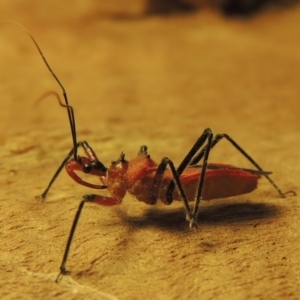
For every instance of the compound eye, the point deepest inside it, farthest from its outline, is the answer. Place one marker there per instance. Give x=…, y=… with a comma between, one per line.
x=87, y=168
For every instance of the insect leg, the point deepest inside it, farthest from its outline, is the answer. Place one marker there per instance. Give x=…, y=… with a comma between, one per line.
x=90, y=154
x=45, y=193
x=97, y=199
x=157, y=180
x=206, y=137
x=63, y=270
x=218, y=138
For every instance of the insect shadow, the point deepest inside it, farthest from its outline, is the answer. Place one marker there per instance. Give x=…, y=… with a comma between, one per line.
x=217, y=214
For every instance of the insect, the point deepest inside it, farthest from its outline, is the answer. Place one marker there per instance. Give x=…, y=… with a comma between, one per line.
x=149, y=181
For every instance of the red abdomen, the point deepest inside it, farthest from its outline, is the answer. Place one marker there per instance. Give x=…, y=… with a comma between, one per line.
x=228, y=183
x=219, y=183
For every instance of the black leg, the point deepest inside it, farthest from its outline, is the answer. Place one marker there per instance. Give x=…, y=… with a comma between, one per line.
x=157, y=184
x=218, y=138
x=189, y=157
x=89, y=152
x=63, y=270
x=45, y=193
x=206, y=137
x=199, y=151
x=198, y=196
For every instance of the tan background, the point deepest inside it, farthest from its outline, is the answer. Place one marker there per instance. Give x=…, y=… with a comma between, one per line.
x=157, y=81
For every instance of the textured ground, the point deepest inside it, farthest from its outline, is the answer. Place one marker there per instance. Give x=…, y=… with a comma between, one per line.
x=157, y=81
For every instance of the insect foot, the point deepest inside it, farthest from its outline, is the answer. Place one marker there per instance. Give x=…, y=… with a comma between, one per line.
x=62, y=272
x=192, y=221
x=193, y=224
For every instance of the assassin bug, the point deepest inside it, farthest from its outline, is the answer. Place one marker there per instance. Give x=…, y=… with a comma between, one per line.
x=149, y=181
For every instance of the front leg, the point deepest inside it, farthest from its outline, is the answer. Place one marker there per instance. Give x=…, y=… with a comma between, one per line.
x=97, y=199
x=91, y=164
x=54, y=177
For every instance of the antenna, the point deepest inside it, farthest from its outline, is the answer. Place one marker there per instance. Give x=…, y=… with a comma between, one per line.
x=66, y=105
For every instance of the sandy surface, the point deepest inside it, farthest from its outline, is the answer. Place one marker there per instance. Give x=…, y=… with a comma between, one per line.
x=157, y=81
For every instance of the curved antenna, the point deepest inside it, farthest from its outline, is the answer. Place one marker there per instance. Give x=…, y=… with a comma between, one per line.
x=54, y=93
x=67, y=106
